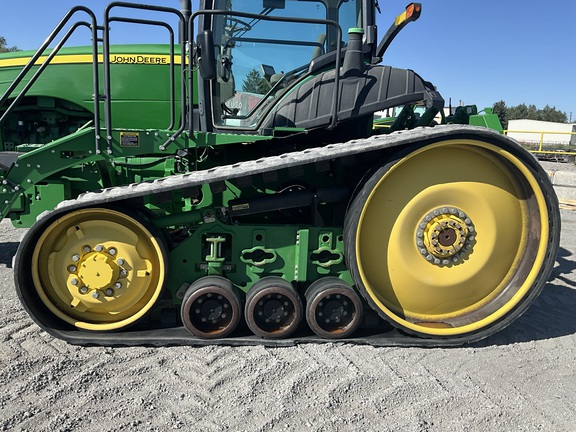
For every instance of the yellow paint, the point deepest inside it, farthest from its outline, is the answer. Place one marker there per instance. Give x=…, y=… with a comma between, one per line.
x=97, y=271
x=400, y=19
x=145, y=59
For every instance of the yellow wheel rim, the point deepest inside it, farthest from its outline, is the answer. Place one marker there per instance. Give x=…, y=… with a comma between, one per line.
x=98, y=269
x=452, y=237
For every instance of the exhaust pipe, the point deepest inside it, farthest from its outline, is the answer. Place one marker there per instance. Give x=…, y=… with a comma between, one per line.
x=186, y=9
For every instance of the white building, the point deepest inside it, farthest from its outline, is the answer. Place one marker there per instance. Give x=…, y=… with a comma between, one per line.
x=550, y=134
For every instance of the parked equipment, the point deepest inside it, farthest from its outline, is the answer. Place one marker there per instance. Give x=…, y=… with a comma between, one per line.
x=229, y=186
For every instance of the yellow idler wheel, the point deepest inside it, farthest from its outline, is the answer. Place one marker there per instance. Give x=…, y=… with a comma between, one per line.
x=454, y=239
x=97, y=269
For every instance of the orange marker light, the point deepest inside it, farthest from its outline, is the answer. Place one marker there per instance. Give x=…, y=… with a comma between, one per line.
x=409, y=10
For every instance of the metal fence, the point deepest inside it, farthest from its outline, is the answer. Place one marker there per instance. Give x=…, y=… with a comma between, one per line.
x=545, y=147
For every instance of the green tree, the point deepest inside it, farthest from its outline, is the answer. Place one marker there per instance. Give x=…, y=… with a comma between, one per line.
x=4, y=46
x=528, y=112
x=551, y=114
x=501, y=110
x=523, y=111
x=255, y=83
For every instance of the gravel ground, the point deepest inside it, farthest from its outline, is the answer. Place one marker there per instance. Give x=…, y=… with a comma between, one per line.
x=522, y=379
x=555, y=166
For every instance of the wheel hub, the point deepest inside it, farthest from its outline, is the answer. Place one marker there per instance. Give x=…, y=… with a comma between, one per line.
x=96, y=271
x=445, y=236
x=211, y=309
x=332, y=309
x=273, y=309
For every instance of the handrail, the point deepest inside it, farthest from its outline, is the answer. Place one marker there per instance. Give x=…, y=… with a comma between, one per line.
x=32, y=62
x=541, y=143
x=106, y=62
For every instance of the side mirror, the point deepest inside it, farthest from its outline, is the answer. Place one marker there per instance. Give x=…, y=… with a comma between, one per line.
x=206, y=58
x=411, y=14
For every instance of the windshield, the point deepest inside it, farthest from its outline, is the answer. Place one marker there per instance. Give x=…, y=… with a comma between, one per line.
x=258, y=59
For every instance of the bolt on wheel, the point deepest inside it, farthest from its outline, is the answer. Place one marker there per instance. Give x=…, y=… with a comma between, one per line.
x=333, y=309
x=211, y=308
x=95, y=269
x=454, y=239
x=273, y=308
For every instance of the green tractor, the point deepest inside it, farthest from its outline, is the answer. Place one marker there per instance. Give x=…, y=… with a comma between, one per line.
x=229, y=186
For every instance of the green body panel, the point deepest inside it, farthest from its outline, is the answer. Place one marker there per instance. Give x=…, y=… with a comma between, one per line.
x=140, y=89
x=488, y=120
x=73, y=161
x=247, y=253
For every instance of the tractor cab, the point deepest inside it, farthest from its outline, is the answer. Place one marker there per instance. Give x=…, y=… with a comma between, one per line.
x=261, y=48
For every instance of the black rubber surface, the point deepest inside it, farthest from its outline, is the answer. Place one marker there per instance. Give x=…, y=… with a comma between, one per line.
x=180, y=336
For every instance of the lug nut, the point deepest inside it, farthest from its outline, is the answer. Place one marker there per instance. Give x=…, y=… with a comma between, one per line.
x=83, y=290
x=74, y=281
x=112, y=251
x=118, y=285
x=72, y=268
x=123, y=273
x=86, y=249
x=120, y=262
x=99, y=248
x=109, y=292
x=95, y=294
x=75, y=258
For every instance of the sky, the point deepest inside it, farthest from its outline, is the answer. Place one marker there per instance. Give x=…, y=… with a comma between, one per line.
x=474, y=51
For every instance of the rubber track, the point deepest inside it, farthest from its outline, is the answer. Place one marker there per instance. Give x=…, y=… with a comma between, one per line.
x=178, y=335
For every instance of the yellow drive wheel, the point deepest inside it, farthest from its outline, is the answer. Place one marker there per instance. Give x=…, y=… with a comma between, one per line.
x=454, y=239
x=96, y=269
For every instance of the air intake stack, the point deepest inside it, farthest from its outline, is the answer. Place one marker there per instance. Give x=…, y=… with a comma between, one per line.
x=354, y=58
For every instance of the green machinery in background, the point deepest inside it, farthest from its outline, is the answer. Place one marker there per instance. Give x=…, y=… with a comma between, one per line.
x=231, y=185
